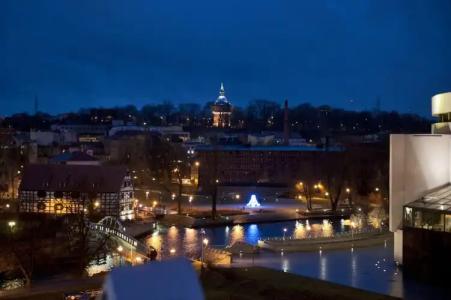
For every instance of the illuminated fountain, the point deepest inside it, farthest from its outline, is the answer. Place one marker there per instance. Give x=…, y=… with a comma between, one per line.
x=253, y=202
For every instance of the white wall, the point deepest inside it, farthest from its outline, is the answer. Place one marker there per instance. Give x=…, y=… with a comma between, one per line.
x=418, y=163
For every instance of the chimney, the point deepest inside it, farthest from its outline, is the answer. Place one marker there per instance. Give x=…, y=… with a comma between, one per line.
x=286, y=128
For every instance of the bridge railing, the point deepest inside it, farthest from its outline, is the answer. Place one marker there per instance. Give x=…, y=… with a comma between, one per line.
x=119, y=234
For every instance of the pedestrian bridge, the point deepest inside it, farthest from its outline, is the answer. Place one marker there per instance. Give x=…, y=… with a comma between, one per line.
x=111, y=226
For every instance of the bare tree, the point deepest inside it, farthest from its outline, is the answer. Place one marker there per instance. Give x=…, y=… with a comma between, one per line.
x=85, y=243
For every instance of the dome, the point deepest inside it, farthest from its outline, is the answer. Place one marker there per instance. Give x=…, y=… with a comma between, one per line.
x=222, y=99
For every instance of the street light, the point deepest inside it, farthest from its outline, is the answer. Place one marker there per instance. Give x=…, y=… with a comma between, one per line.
x=147, y=195
x=172, y=251
x=190, y=201
x=120, y=249
x=376, y=189
x=284, y=231
x=197, y=164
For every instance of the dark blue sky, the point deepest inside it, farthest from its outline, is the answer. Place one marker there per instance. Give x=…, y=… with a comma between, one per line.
x=76, y=54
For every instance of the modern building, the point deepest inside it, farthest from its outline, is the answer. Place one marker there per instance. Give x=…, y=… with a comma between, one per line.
x=221, y=110
x=70, y=189
x=420, y=198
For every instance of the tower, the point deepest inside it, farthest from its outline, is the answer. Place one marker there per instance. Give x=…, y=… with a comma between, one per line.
x=221, y=110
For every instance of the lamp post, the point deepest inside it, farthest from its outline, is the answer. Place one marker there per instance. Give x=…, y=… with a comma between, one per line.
x=190, y=202
x=284, y=231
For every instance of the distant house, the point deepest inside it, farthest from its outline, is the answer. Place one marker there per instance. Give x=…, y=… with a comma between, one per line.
x=66, y=189
x=74, y=158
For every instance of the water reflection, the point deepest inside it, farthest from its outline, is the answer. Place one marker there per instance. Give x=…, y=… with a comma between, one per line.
x=186, y=241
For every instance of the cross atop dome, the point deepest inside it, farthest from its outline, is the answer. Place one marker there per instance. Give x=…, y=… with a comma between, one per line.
x=221, y=90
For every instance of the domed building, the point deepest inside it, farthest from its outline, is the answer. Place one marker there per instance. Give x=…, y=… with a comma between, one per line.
x=221, y=110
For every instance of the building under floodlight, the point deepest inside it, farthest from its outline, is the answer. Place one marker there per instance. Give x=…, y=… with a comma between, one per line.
x=420, y=195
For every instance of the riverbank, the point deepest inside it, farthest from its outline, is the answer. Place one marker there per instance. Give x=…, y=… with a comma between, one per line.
x=224, y=283
x=332, y=243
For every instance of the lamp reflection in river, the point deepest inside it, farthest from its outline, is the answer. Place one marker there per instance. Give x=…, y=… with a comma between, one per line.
x=191, y=242
x=299, y=231
x=323, y=267
x=155, y=241
x=327, y=228
x=237, y=234
x=253, y=234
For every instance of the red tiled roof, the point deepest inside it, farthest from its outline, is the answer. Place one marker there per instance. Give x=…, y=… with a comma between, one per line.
x=73, y=178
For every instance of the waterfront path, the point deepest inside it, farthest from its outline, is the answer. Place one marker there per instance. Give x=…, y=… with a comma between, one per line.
x=336, y=242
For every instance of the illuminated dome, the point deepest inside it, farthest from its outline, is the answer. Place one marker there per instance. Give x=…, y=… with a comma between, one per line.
x=221, y=110
x=222, y=99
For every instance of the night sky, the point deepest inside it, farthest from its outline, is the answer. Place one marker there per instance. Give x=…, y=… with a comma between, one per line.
x=74, y=54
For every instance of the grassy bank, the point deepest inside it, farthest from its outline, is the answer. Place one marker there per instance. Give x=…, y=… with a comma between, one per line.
x=242, y=284
x=262, y=283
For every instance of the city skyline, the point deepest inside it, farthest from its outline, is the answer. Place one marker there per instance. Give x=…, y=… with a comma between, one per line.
x=345, y=55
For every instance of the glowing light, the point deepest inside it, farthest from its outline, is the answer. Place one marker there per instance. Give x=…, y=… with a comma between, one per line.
x=139, y=259
x=205, y=241
x=197, y=164
x=172, y=251
x=237, y=196
x=155, y=203
x=11, y=224
x=96, y=204
x=253, y=202
x=119, y=249
x=376, y=189
x=348, y=190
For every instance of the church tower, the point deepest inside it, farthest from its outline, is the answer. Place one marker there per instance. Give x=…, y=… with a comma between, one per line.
x=221, y=110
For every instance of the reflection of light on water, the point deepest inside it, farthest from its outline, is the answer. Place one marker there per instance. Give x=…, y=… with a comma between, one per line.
x=299, y=231
x=323, y=267
x=253, y=234
x=327, y=229
x=285, y=265
x=155, y=240
x=237, y=234
x=307, y=226
x=173, y=234
x=191, y=241
x=353, y=270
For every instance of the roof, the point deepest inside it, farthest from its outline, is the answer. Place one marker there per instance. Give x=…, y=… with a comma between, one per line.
x=73, y=178
x=438, y=199
x=165, y=280
x=73, y=156
x=266, y=148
